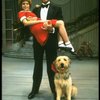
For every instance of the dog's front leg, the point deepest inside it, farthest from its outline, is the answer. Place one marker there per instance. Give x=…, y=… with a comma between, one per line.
x=68, y=93
x=59, y=93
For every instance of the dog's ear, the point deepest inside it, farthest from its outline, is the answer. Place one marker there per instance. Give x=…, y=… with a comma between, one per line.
x=69, y=61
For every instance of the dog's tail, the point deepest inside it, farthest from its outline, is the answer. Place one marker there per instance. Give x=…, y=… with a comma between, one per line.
x=74, y=91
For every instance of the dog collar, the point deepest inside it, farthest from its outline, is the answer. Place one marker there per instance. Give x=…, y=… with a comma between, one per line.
x=64, y=76
x=53, y=68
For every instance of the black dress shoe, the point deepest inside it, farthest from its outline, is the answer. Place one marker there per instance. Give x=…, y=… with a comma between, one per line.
x=32, y=95
x=75, y=54
x=65, y=48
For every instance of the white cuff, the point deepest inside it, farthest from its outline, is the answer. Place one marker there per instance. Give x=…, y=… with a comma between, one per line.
x=21, y=19
x=53, y=30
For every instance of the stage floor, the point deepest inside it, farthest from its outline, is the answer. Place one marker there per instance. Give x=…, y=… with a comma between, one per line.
x=17, y=79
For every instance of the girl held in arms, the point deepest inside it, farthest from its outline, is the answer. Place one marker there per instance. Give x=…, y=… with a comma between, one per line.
x=39, y=27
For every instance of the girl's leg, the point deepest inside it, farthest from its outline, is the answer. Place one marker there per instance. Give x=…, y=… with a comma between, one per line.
x=62, y=30
x=63, y=37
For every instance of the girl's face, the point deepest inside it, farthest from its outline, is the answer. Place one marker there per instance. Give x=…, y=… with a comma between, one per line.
x=25, y=6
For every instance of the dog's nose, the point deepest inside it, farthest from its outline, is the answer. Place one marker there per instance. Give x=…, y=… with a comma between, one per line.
x=62, y=65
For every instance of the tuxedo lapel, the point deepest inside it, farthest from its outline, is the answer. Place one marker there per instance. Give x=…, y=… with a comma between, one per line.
x=50, y=12
x=38, y=12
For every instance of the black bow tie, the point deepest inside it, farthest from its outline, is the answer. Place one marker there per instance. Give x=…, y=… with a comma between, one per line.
x=44, y=5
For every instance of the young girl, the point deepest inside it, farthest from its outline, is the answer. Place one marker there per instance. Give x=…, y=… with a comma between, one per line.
x=38, y=27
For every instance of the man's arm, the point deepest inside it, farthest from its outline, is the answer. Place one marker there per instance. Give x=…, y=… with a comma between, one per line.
x=59, y=17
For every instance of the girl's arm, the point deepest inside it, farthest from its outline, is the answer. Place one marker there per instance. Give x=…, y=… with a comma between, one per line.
x=31, y=22
x=31, y=18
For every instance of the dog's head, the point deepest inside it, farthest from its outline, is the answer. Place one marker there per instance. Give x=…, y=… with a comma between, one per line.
x=62, y=64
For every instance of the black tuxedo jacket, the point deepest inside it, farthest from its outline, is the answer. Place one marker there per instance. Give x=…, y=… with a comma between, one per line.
x=54, y=12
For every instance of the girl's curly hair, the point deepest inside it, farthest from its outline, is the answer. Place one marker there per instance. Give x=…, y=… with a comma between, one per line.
x=20, y=2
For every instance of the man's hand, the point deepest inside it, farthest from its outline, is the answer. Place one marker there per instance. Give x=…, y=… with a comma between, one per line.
x=47, y=26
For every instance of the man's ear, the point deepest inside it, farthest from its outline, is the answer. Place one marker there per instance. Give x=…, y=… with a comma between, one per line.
x=37, y=6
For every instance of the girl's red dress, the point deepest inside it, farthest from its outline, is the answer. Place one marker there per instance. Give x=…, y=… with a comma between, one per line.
x=40, y=34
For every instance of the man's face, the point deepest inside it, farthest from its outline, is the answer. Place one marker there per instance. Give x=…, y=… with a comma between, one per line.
x=45, y=1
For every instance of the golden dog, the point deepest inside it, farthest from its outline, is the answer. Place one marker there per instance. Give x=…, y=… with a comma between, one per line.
x=62, y=79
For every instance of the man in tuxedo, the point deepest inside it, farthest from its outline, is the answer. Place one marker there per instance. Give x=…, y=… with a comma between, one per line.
x=46, y=11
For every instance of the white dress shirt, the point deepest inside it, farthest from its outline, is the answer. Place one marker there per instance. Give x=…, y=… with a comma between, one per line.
x=43, y=14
